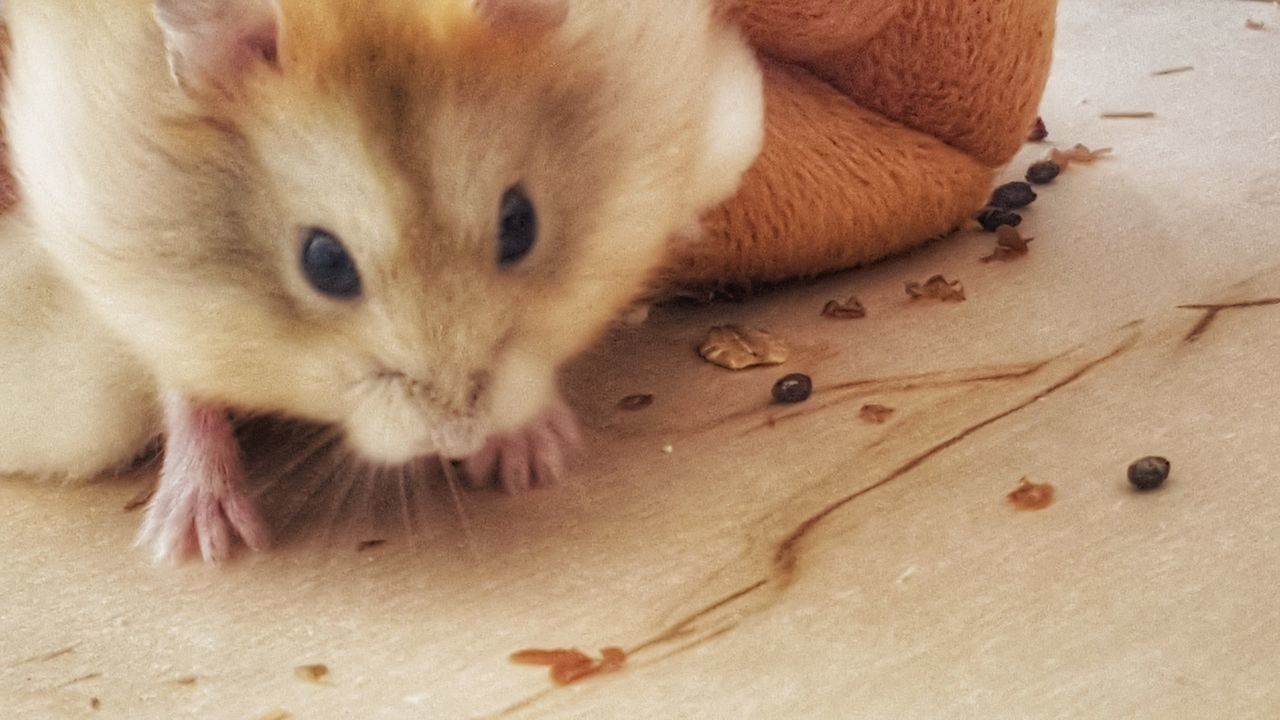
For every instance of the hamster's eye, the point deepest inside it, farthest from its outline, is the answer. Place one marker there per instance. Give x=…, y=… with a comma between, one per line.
x=328, y=266
x=517, y=227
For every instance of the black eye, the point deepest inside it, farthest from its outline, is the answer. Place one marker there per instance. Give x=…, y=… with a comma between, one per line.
x=517, y=226
x=328, y=266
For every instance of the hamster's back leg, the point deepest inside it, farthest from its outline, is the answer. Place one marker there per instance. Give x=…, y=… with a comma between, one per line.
x=75, y=403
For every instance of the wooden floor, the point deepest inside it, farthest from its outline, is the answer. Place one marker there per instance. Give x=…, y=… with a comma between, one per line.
x=761, y=562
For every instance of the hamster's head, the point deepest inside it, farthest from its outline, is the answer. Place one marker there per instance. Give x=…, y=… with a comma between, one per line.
x=422, y=209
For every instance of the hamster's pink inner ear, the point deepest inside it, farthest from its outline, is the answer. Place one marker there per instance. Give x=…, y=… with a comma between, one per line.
x=213, y=44
x=523, y=16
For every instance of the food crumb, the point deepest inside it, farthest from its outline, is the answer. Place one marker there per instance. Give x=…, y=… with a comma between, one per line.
x=570, y=665
x=792, y=389
x=1255, y=24
x=612, y=658
x=1149, y=473
x=632, y=403
x=668, y=449
x=317, y=673
x=185, y=680
x=95, y=703
x=1038, y=131
x=851, y=309
x=1032, y=496
x=937, y=288
x=1009, y=244
x=737, y=348
x=875, y=414
x=1078, y=153
x=369, y=545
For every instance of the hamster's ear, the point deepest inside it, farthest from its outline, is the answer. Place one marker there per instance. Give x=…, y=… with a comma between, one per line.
x=735, y=125
x=213, y=44
x=523, y=16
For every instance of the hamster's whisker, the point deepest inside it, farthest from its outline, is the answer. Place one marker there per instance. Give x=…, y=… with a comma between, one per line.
x=451, y=479
x=319, y=441
x=406, y=516
x=296, y=508
x=339, y=501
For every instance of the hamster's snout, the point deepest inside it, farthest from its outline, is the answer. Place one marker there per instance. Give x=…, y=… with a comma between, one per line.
x=397, y=418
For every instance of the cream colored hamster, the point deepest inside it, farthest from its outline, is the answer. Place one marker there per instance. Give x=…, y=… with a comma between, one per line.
x=399, y=217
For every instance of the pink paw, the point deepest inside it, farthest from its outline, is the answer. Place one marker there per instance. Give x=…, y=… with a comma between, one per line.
x=533, y=455
x=201, y=503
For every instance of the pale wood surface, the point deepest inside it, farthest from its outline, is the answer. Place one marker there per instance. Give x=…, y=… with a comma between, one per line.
x=801, y=563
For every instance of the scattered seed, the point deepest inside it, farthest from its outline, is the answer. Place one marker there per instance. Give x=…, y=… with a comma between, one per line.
x=1038, y=131
x=851, y=309
x=875, y=414
x=1128, y=115
x=369, y=545
x=792, y=389
x=1173, y=70
x=1012, y=196
x=1149, y=473
x=95, y=703
x=738, y=348
x=312, y=673
x=1254, y=24
x=937, y=288
x=992, y=218
x=1031, y=496
x=1043, y=172
x=277, y=715
x=185, y=680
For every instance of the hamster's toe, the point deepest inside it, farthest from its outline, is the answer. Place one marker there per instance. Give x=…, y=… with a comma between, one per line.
x=533, y=455
x=201, y=504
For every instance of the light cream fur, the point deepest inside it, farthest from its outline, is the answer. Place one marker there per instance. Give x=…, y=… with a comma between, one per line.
x=176, y=212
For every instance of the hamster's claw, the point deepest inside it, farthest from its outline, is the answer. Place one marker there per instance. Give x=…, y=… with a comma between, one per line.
x=201, y=503
x=533, y=455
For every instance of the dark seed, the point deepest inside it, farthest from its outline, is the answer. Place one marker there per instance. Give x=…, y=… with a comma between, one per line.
x=1038, y=131
x=1043, y=172
x=1149, y=473
x=993, y=217
x=1012, y=196
x=794, y=388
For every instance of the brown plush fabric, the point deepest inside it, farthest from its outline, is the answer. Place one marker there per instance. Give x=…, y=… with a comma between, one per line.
x=886, y=121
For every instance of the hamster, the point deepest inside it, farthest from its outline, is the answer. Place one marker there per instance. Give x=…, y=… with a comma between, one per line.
x=399, y=218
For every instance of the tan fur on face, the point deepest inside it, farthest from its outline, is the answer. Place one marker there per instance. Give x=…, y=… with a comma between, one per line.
x=397, y=126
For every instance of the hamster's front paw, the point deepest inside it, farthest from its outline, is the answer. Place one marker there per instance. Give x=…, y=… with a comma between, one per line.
x=533, y=455
x=201, y=503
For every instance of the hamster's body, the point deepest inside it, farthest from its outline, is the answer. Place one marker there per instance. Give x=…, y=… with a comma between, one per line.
x=397, y=217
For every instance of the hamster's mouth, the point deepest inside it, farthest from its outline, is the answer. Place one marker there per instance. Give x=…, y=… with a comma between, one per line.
x=389, y=424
